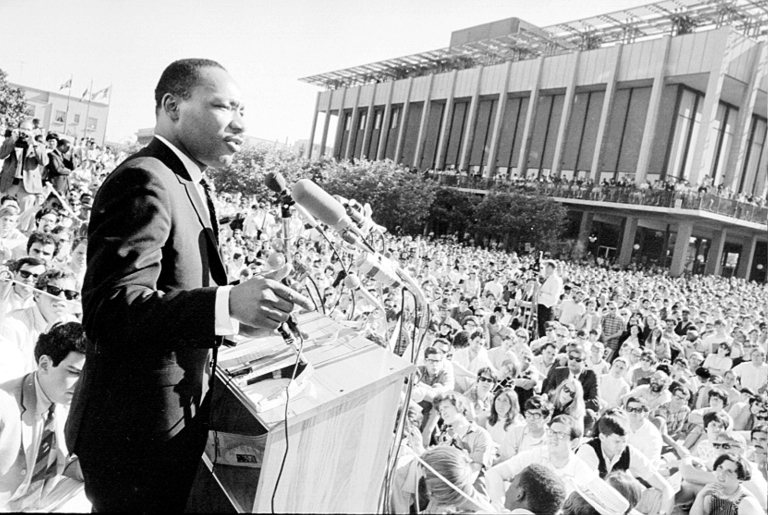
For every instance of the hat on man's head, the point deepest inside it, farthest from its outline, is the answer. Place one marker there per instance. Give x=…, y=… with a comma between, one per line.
x=52, y=135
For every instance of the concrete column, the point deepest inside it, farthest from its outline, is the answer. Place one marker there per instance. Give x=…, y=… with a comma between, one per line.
x=385, y=123
x=585, y=228
x=628, y=240
x=605, y=113
x=684, y=232
x=706, y=140
x=326, y=124
x=738, y=153
x=760, y=184
x=565, y=118
x=747, y=258
x=651, y=118
x=442, y=142
x=471, y=125
x=314, y=124
x=716, y=252
x=352, y=126
x=368, y=130
x=530, y=116
x=423, y=122
x=340, y=125
x=490, y=165
x=403, y=121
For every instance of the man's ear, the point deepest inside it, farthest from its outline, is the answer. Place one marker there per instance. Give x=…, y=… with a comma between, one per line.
x=170, y=105
x=44, y=364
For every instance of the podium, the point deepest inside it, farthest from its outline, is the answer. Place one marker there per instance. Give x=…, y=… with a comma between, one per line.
x=340, y=427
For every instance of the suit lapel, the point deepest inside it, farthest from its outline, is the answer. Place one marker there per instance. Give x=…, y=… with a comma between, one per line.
x=166, y=155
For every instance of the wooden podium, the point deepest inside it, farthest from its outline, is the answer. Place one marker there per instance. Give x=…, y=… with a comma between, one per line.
x=340, y=428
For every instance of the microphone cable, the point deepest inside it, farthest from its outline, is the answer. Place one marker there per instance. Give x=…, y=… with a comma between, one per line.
x=285, y=420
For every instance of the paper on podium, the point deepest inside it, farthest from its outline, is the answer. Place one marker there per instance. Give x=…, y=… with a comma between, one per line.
x=602, y=496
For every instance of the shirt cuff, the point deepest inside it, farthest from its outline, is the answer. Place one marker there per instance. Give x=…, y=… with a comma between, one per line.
x=224, y=324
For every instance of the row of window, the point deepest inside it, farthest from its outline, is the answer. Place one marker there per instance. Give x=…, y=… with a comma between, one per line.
x=677, y=130
x=61, y=115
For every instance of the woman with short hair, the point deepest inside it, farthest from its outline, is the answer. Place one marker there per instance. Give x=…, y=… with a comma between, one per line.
x=727, y=496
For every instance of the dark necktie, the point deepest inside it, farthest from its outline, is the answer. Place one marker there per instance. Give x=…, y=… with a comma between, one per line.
x=211, y=207
x=47, y=458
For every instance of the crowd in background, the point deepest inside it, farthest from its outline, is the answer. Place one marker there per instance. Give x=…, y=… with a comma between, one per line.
x=571, y=380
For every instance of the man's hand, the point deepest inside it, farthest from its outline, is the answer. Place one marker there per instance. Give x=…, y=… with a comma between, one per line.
x=263, y=302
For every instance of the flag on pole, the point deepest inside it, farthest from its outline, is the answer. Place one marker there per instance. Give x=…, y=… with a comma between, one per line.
x=85, y=94
x=101, y=93
x=67, y=84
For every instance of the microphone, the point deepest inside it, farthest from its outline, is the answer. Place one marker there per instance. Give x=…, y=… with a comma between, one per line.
x=328, y=210
x=352, y=282
x=377, y=269
x=276, y=182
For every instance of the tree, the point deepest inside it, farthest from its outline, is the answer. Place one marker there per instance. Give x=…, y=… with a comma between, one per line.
x=517, y=219
x=452, y=211
x=400, y=200
x=13, y=103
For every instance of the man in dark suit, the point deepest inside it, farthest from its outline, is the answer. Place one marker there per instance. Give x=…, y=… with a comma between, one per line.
x=155, y=300
x=578, y=369
x=59, y=166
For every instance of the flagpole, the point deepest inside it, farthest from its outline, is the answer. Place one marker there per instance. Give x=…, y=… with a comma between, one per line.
x=66, y=115
x=106, y=119
x=88, y=110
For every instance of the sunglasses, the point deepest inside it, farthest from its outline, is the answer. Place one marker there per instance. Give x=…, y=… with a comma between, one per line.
x=568, y=391
x=576, y=359
x=56, y=291
x=637, y=409
x=26, y=274
x=485, y=379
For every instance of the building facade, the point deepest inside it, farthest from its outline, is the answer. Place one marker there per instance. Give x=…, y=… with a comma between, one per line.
x=669, y=94
x=73, y=116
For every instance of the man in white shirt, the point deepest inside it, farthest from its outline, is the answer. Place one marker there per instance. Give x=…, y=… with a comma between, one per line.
x=643, y=435
x=613, y=386
x=754, y=374
x=549, y=294
x=713, y=341
x=572, y=308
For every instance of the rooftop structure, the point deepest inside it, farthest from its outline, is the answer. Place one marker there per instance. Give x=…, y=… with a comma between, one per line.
x=515, y=40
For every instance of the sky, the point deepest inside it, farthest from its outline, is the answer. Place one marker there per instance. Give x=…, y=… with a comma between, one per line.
x=267, y=46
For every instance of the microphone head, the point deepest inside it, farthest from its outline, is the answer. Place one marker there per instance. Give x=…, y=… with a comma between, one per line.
x=275, y=182
x=351, y=282
x=318, y=202
x=276, y=260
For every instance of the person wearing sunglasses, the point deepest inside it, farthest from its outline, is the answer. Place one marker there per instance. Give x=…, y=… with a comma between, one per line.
x=557, y=455
x=16, y=290
x=576, y=368
x=480, y=395
x=643, y=433
x=697, y=473
x=568, y=399
x=55, y=298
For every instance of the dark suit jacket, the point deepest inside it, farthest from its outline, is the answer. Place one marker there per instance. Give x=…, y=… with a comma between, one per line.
x=588, y=380
x=148, y=309
x=57, y=171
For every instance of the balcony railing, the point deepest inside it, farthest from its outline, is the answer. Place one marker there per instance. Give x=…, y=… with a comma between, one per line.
x=615, y=194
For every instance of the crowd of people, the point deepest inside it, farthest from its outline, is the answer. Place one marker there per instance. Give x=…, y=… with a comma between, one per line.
x=542, y=386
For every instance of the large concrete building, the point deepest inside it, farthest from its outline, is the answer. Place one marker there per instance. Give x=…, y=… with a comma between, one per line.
x=674, y=89
x=73, y=116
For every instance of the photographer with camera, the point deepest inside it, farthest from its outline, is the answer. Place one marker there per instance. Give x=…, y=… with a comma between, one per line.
x=22, y=171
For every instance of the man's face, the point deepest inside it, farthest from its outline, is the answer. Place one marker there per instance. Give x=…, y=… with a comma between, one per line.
x=757, y=358
x=53, y=306
x=26, y=277
x=679, y=399
x=42, y=252
x=448, y=412
x=59, y=382
x=548, y=354
x=760, y=443
x=434, y=364
x=618, y=369
x=210, y=123
x=637, y=413
x=613, y=444
x=575, y=362
x=47, y=222
x=658, y=382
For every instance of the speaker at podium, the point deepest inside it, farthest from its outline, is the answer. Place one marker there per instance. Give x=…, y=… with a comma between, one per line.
x=341, y=420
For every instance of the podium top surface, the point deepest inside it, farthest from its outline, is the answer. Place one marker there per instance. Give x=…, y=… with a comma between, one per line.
x=345, y=365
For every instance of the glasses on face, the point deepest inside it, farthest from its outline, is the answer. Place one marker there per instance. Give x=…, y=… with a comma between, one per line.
x=26, y=274
x=647, y=360
x=560, y=435
x=568, y=391
x=485, y=379
x=56, y=291
x=577, y=359
x=681, y=398
x=433, y=361
x=533, y=415
x=636, y=409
